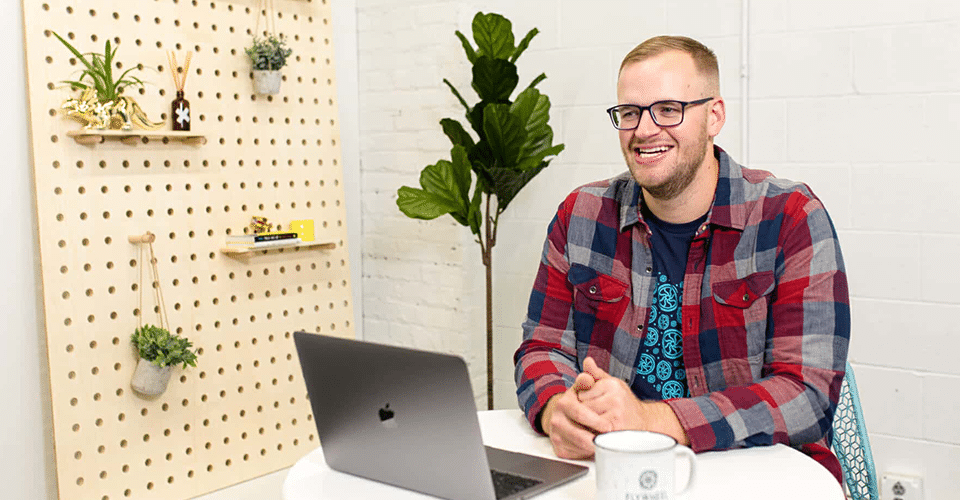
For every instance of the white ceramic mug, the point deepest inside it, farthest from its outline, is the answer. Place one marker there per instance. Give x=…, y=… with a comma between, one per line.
x=639, y=465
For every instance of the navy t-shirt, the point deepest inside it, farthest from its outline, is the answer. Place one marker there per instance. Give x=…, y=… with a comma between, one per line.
x=660, y=371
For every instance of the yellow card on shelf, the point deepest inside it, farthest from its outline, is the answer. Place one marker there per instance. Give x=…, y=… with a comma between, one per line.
x=304, y=228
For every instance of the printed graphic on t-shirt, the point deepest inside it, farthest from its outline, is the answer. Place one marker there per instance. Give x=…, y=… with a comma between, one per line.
x=660, y=370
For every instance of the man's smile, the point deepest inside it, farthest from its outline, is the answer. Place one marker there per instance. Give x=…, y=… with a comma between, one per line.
x=650, y=154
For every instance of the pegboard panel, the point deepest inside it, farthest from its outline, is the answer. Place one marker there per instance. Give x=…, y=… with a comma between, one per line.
x=242, y=412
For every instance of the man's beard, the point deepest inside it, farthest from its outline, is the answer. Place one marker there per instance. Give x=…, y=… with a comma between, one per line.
x=686, y=171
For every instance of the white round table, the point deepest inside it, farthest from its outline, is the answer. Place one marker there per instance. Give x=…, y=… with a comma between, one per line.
x=760, y=473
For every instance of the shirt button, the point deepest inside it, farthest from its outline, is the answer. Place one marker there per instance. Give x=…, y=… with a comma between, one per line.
x=639, y=328
x=593, y=289
x=649, y=269
x=746, y=297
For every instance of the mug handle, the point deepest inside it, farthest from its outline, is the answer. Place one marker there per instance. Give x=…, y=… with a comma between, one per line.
x=691, y=458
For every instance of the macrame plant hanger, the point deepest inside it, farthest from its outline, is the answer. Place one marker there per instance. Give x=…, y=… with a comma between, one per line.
x=146, y=248
x=266, y=10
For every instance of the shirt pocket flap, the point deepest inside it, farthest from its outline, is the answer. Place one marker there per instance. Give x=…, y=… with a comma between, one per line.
x=743, y=292
x=596, y=286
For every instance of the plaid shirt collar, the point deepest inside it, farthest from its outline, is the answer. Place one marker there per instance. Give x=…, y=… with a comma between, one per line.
x=728, y=209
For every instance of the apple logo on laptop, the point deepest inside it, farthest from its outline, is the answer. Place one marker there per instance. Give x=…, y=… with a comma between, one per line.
x=386, y=417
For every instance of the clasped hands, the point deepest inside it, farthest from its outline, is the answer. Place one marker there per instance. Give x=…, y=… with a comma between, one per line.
x=596, y=403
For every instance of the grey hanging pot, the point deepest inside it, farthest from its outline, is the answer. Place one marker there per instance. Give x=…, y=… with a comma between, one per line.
x=149, y=379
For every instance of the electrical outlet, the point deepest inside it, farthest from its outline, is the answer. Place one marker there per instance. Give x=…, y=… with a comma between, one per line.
x=901, y=487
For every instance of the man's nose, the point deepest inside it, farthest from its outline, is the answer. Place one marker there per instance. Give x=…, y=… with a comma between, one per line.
x=646, y=127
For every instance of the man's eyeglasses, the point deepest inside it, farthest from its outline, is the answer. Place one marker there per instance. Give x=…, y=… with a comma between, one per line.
x=664, y=113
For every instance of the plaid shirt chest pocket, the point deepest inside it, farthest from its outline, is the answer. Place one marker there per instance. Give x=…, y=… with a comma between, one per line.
x=740, y=313
x=599, y=304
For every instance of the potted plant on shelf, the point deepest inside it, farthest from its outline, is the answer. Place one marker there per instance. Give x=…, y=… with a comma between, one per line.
x=101, y=104
x=267, y=56
x=159, y=352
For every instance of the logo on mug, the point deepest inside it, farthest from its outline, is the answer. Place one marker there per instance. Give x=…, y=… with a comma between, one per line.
x=648, y=479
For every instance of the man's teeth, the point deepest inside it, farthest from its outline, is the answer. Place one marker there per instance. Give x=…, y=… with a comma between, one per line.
x=651, y=151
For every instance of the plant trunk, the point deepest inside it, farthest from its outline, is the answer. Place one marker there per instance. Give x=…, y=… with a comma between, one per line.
x=490, y=332
x=490, y=239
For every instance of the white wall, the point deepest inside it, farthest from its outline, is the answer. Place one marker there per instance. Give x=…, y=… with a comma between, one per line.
x=27, y=467
x=831, y=84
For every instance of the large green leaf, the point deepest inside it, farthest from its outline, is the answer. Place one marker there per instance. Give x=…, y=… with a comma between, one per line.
x=505, y=134
x=494, y=79
x=533, y=161
x=494, y=35
x=475, y=117
x=510, y=182
x=443, y=191
x=522, y=47
x=536, y=81
x=420, y=204
x=442, y=179
x=458, y=136
x=483, y=161
x=461, y=176
x=474, y=217
x=457, y=94
x=471, y=54
x=533, y=109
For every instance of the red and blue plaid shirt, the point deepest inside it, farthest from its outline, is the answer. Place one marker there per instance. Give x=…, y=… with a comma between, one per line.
x=765, y=308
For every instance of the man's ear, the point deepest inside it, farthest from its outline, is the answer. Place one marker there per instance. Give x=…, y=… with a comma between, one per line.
x=716, y=117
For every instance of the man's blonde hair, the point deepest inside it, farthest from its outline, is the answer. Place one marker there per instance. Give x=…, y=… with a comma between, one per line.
x=703, y=58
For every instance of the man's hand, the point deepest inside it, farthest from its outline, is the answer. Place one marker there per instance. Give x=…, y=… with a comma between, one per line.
x=570, y=424
x=614, y=401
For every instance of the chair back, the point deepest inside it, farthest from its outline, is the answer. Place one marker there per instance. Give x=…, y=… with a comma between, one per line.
x=851, y=443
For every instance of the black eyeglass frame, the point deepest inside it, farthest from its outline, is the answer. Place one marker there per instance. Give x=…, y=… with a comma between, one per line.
x=649, y=109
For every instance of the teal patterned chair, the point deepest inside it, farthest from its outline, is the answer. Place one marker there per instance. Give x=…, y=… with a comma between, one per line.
x=851, y=444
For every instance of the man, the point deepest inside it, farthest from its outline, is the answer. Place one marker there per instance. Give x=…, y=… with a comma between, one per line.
x=688, y=296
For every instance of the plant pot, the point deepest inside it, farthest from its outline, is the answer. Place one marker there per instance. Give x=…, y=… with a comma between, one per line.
x=267, y=82
x=149, y=379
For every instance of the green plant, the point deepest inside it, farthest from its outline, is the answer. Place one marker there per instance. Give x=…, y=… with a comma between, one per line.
x=269, y=53
x=99, y=70
x=512, y=147
x=160, y=347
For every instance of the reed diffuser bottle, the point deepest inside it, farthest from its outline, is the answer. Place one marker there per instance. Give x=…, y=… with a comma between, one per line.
x=180, y=108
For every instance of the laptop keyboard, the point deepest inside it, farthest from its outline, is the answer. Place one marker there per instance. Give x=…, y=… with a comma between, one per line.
x=506, y=484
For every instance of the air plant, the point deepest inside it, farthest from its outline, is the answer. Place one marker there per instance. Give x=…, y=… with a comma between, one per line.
x=98, y=72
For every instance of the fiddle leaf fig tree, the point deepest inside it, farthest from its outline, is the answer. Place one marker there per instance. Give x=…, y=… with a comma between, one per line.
x=511, y=143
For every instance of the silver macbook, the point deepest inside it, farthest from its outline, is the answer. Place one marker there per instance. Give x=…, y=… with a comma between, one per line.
x=408, y=418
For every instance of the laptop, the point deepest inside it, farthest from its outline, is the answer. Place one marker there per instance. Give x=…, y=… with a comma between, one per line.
x=407, y=418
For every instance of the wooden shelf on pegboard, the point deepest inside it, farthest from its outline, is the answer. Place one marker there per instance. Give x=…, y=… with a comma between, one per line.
x=248, y=250
x=134, y=137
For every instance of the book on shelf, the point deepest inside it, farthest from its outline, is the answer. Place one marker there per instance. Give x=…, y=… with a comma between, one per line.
x=286, y=242
x=250, y=239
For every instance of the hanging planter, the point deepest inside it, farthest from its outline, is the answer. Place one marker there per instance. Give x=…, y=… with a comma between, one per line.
x=159, y=350
x=267, y=82
x=268, y=54
x=149, y=379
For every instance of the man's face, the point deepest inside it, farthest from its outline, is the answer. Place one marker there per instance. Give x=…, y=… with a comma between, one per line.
x=666, y=160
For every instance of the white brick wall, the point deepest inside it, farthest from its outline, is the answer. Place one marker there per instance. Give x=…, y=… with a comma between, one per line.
x=858, y=98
